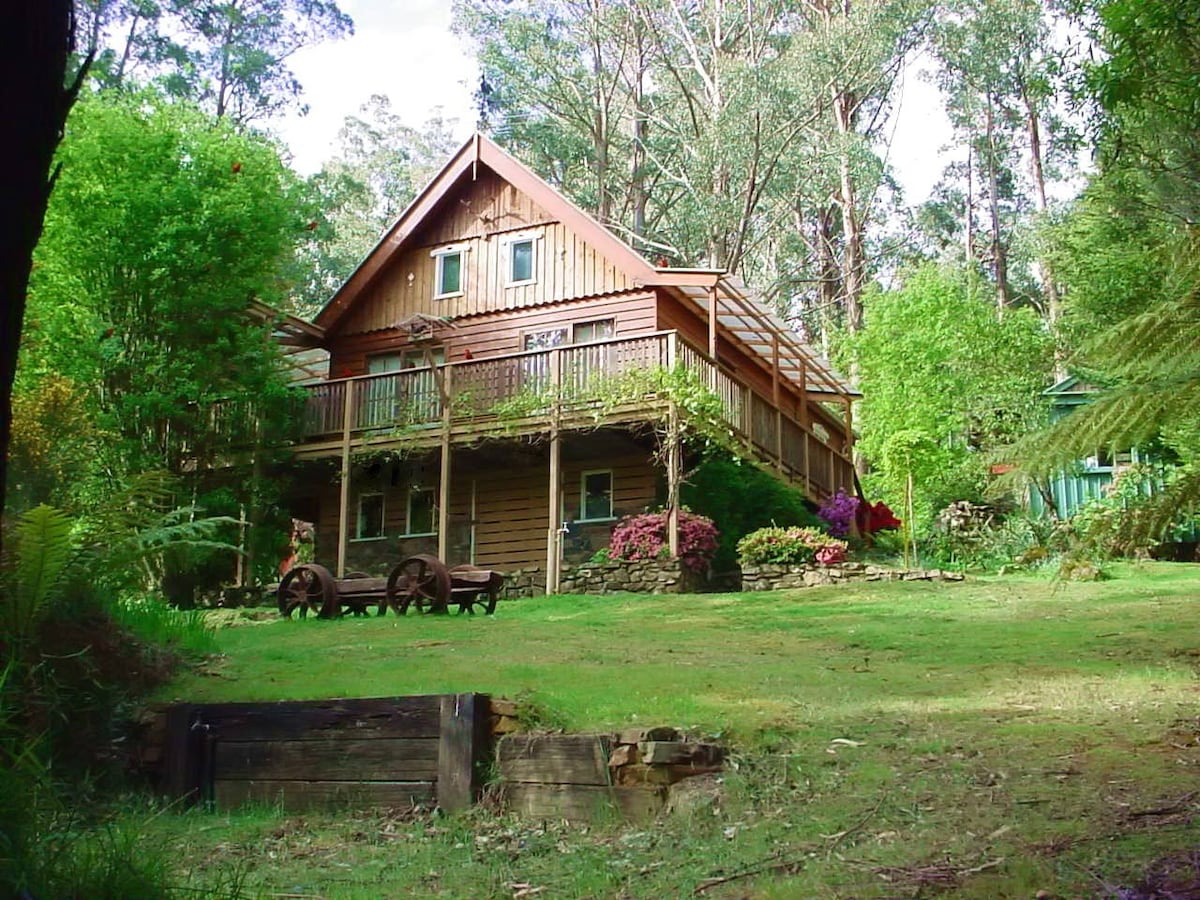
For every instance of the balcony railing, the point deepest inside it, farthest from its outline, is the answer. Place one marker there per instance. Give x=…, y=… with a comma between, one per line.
x=562, y=379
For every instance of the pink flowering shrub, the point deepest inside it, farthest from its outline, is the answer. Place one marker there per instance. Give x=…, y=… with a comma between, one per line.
x=839, y=511
x=790, y=546
x=645, y=537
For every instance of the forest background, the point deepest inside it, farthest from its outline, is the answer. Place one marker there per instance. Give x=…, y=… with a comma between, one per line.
x=745, y=137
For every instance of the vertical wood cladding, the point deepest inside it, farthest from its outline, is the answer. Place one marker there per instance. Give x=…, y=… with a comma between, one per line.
x=478, y=217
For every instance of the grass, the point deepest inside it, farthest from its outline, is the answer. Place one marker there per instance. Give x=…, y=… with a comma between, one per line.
x=986, y=739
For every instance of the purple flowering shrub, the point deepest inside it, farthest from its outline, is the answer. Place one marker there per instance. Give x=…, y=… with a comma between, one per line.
x=839, y=511
x=644, y=536
x=790, y=546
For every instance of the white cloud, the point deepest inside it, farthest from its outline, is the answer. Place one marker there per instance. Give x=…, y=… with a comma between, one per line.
x=402, y=48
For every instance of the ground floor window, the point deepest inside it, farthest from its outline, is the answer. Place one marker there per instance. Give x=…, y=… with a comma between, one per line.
x=370, y=516
x=421, y=511
x=595, y=496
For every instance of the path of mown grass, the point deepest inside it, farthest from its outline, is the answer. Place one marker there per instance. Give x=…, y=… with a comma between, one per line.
x=991, y=738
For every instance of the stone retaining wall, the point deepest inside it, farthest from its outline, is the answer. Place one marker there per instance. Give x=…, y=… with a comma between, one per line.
x=643, y=576
x=772, y=578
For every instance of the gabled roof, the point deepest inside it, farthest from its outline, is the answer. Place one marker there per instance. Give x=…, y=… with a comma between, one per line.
x=740, y=313
x=462, y=165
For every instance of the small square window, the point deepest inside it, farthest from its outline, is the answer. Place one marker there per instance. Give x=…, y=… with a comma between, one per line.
x=420, y=511
x=520, y=261
x=370, y=516
x=449, y=273
x=595, y=496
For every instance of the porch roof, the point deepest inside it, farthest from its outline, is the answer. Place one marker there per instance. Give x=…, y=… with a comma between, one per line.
x=741, y=313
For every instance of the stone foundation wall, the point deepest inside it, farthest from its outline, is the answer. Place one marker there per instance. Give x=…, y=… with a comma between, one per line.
x=773, y=578
x=528, y=582
x=644, y=576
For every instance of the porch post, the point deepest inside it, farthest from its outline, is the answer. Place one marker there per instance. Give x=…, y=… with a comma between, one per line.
x=344, y=508
x=554, y=518
x=712, y=322
x=674, y=464
x=443, y=522
x=775, y=399
x=552, y=531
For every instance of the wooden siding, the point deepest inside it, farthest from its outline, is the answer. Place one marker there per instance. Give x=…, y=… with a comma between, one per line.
x=512, y=512
x=494, y=333
x=511, y=509
x=478, y=217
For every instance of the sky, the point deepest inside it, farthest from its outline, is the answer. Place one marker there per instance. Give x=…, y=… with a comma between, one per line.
x=404, y=48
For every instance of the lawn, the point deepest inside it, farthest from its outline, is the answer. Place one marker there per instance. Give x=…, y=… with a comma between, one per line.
x=991, y=738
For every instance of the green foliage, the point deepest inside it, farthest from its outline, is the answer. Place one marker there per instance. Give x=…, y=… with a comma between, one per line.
x=1115, y=525
x=1129, y=249
x=944, y=381
x=44, y=545
x=739, y=498
x=790, y=546
x=163, y=226
x=230, y=56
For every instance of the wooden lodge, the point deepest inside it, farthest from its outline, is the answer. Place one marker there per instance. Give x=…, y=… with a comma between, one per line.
x=506, y=378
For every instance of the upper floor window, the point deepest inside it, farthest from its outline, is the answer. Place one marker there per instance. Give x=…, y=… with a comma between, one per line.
x=448, y=278
x=522, y=259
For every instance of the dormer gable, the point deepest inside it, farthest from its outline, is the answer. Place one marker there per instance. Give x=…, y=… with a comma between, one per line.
x=486, y=234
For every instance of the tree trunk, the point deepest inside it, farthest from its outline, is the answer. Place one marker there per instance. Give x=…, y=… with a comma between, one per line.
x=999, y=253
x=637, y=181
x=969, y=208
x=844, y=107
x=1053, y=300
x=34, y=46
x=600, y=124
x=130, y=38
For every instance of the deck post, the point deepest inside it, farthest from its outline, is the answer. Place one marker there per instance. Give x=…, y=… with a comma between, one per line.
x=554, y=518
x=776, y=401
x=674, y=464
x=344, y=508
x=443, y=522
x=552, y=531
x=712, y=322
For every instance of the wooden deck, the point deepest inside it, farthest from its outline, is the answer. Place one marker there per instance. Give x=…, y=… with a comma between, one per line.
x=568, y=388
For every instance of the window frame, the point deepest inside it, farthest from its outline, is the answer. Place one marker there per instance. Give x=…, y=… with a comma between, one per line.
x=575, y=326
x=358, y=517
x=583, y=508
x=440, y=255
x=413, y=491
x=509, y=245
x=527, y=333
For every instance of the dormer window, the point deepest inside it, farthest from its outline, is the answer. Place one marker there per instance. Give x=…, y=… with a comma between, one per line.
x=448, y=278
x=522, y=259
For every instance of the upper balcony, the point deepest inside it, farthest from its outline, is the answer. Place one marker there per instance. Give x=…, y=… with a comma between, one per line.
x=620, y=381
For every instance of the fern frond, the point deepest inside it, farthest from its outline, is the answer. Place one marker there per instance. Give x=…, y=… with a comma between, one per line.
x=44, y=550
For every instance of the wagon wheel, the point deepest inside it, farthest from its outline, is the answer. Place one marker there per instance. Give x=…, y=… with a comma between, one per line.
x=420, y=579
x=306, y=588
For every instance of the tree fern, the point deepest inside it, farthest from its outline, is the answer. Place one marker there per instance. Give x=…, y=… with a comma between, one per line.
x=1152, y=362
x=44, y=551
